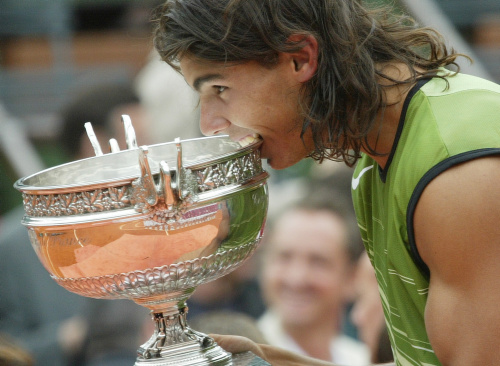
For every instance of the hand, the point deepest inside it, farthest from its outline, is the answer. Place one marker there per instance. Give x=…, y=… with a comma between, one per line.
x=238, y=344
x=274, y=355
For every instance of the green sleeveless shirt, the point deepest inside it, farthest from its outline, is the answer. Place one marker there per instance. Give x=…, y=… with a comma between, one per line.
x=439, y=128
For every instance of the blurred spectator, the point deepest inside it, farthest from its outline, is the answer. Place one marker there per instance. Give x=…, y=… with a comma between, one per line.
x=103, y=106
x=12, y=354
x=307, y=273
x=332, y=181
x=227, y=322
x=327, y=181
x=487, y=31
x=18, y=157
x=486, y=42
x=116, y=328
x=170, y=103
x=47, y=319
x=368, y=314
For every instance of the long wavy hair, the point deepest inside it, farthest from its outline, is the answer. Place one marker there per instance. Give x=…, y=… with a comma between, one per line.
x=341, y=102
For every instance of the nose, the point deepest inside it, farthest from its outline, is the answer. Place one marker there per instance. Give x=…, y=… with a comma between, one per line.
x=212, y=122
x=296, y=275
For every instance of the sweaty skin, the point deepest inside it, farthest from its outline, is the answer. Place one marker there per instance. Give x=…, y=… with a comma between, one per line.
x=462, y=252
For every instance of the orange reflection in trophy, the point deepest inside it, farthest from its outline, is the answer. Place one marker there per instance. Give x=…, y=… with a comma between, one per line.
x=122, y=247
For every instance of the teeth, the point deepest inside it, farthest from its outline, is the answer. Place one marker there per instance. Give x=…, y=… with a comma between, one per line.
x=248, y=140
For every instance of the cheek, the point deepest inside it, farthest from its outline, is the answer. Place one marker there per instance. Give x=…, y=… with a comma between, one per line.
x=271, y=279
x=334, y=279
x=271, y=285
x=269, y=107
x=241, y=113
x=324, y=283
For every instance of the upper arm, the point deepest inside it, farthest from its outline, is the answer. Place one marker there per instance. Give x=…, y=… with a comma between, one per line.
x=457, y=232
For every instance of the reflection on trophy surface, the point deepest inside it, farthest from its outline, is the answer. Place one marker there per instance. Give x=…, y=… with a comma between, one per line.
x=150, y=224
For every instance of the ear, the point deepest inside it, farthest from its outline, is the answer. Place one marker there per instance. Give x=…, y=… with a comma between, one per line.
x=349, y=292
x=305, y=61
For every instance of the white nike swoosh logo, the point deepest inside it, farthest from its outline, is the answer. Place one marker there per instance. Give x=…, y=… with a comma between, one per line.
x=355, y=181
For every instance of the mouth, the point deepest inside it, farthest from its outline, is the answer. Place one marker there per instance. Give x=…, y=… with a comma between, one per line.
x=249, y=139
x=297, y=304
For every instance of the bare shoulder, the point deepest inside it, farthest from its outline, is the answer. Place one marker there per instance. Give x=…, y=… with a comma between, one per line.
x=457, y=232
x=460, y=207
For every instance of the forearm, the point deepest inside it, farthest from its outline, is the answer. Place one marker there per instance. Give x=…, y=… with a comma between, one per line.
x=280, y=357
x=274, y=355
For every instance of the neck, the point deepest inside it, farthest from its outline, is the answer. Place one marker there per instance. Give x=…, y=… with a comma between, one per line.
x=382, y=137
x=316, y=339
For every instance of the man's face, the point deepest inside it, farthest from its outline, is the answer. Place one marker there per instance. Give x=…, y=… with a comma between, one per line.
x=249, y=99
x=306, y=273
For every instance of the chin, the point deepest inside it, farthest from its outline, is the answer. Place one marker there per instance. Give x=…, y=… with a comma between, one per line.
x=297, y=321
x=278, y=164
x=297, y=313
x=272, y=164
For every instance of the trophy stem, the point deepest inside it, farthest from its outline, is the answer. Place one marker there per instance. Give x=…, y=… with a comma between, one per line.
x=175, y=343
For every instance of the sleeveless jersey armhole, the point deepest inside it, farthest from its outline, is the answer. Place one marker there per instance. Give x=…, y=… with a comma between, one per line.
x=419, y=188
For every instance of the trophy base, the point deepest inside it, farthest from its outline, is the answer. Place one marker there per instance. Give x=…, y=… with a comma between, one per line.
x=175, y=344
x=238, y=359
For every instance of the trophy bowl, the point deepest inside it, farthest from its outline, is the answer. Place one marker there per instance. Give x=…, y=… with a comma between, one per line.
x=150, y=224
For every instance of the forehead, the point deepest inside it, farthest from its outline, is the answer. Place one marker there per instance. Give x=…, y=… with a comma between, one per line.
x=190, y=63
x=191, y=66
x=310, y=231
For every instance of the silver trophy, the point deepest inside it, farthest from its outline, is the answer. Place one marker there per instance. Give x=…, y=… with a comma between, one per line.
x=150, y=224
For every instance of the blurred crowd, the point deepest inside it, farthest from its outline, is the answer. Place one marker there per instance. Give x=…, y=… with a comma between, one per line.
x=310, y=274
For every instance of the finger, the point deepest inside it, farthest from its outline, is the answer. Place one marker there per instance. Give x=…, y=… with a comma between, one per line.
x=234, y=344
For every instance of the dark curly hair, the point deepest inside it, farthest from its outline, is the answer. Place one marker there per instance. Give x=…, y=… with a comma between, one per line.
x=343, y=98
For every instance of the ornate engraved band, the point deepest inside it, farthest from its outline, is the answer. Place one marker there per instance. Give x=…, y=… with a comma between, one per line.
x=235, y=171
x=229, y=172
x=168, y=279
x=77, y=203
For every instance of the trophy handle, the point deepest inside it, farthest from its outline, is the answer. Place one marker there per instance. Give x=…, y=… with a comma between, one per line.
x=170, y=189
x=173, y=194
x=144, y=191
x=93, y=139
x=130, y=137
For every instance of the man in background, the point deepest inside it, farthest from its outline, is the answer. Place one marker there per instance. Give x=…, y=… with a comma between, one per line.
x=306, y=279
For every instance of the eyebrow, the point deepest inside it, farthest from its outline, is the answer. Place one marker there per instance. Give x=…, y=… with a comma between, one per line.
x=204, y=79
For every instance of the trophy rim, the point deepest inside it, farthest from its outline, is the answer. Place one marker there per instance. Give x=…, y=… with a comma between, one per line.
x=23, y=186
x=129, y=213
x=213, y=170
